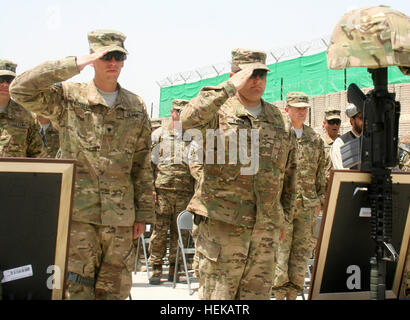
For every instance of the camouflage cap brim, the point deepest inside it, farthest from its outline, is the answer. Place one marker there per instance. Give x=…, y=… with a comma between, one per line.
x=179, y=104
x=299, y=104
x=333, y=116
x=112, y=48
x=255, y=65
x=7, y=73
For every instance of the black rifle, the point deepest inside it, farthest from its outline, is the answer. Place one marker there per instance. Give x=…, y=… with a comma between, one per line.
x=379, y=143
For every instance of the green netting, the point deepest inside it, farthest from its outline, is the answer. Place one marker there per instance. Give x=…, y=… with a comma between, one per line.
x=185, y=91
x=309, y=74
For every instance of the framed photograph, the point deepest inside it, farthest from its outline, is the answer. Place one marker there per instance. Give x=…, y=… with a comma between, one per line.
x=342, y=258
x=36, y=197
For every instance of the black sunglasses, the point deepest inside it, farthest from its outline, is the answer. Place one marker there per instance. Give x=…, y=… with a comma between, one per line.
x=117, y=55
x=7, y=79
x=334, y=121
x=259, y=73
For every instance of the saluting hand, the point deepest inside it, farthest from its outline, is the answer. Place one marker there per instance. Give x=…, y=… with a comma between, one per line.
x=83, y=61
x=239, y=79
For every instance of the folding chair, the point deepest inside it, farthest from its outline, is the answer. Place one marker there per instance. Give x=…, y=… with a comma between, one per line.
x=144, y=242
x=184, y=222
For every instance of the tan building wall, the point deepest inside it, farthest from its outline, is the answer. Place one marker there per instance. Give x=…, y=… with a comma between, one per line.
x=320, y=103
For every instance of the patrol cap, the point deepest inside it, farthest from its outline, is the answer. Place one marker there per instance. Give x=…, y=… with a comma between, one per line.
x=351, y=110
x=7, y=68
x=297, y=99
x=246, y=58
x=179, y=104
x=108, y=39
x=155, y=123
x=332, y=113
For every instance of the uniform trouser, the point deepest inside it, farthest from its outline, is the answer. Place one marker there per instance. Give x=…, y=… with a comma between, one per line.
x=105, y=254
x=295, y=250
x=168, y=206
x=235, y=262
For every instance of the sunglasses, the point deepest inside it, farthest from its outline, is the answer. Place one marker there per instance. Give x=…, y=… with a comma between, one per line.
x=117, y=55
x=7, y=79
x=259, y=73
x=334, y=121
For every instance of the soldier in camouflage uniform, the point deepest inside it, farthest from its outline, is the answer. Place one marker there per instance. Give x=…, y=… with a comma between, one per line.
x=19, y=133
x=174, y=188
x=356, y=121
x=300, y=234
x=331, y=126
x=243, y=205
x=49, y=135
x=107, y=130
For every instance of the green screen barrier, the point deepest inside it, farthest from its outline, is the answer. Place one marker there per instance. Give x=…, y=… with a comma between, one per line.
x=308, y=74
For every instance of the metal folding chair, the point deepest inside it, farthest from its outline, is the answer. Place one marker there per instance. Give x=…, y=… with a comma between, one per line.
x=144, y=242
x=184, y=222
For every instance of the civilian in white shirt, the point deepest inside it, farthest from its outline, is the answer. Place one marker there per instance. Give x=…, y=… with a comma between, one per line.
x=356, y=121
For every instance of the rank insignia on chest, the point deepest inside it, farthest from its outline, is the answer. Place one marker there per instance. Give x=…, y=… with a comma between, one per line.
x=19, y=124
x=235, y=121
x=133, y=115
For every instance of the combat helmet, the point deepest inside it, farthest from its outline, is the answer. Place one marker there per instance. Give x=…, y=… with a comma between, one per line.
x=374, y=37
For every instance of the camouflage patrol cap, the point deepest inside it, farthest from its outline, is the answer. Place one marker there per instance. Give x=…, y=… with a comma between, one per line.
x=332, y=113
x=108, y=39
x=297, y=99
x=245, y=58
x=179, y=104
x=156, y=123
x=351, y=110
x=374, y=37
x=7, y=68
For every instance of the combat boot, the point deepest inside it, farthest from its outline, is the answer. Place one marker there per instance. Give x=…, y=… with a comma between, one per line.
x=156, y=274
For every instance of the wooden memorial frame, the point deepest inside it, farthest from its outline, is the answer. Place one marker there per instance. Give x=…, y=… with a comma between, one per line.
x=36, y=197
x=347, y=242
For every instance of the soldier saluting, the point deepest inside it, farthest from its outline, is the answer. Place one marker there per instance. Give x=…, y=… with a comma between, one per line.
x=243, y=211
x=106, y=129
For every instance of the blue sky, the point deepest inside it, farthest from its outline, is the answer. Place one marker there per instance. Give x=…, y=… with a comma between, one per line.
x=165, y=37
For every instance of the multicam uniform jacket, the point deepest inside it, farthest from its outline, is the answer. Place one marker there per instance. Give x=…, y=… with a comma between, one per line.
x=224, y=192
x=328, y=141
x=171, y=172
x=19, y=133
x=312, y=161
x=114, y=183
